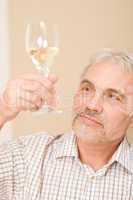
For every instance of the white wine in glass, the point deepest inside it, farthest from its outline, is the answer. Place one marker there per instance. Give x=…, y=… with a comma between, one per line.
x=43, y=58
x=42, y=44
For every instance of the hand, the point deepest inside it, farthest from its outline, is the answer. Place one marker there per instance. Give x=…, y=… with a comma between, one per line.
x=27, y=92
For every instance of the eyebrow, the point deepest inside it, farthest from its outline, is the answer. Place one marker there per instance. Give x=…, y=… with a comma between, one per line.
x=85, y=81
x=116, y=91
x=119, y=92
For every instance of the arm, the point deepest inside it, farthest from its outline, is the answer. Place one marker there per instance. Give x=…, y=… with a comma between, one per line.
x=5, y=113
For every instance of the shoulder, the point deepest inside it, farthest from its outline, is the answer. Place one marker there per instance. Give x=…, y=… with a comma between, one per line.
x=31, y=147
x=34, y=139
x=25, y=145
x=33, y=143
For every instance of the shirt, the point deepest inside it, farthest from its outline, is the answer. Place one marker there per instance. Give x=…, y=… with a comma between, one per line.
x=44, y=167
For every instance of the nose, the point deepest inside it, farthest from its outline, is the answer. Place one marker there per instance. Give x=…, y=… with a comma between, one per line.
x=95, y=104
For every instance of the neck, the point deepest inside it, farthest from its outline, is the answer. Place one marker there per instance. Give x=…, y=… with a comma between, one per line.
x=96, y=155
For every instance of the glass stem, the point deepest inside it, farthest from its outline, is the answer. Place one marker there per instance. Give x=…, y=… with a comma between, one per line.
x=44, y=70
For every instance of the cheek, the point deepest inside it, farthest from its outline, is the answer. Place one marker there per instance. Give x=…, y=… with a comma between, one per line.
x=115, y=120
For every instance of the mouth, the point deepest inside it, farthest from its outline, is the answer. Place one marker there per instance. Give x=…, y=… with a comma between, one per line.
x=90, y=120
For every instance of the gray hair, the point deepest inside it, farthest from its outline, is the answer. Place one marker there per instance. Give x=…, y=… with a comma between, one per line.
x=123, y=58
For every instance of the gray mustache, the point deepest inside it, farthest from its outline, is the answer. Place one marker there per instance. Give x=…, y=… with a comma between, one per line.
x=92, y=113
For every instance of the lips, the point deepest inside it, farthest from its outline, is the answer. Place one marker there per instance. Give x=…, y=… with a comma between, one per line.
x=90, y=120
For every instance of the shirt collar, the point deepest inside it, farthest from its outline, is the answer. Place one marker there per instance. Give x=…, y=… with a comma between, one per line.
x=66, y=147
x=123, y=155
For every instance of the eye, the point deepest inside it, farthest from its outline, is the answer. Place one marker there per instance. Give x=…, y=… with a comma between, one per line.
x=86, y=90
x=115, y=97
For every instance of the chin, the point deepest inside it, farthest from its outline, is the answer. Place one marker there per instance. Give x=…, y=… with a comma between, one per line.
x=91, y=138
x=90, y=134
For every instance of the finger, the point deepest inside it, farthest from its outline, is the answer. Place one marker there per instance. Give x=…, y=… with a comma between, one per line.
x=35, y=104
x=31, y=86
x=53, y=78
x=33, y=98
x=41, y=92
x=25, y=105
x=36, y=85
x=28, y=101
x=50, y=99
x=32, y=76
x=45, y=81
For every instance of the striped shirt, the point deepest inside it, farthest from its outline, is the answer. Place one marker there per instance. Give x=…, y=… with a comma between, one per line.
x=44, y=167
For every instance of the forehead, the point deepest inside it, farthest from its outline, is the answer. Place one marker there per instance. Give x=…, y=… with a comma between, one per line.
x=109, y=75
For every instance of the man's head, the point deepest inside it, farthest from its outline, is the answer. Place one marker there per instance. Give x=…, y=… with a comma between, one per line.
x=103, y=104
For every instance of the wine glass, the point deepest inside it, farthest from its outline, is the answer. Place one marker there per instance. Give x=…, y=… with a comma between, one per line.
x=42, y=44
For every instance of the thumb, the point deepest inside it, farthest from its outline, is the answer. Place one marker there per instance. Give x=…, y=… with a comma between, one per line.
x=53, y=78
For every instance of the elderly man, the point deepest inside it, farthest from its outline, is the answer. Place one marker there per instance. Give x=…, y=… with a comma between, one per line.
x=93, y=161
